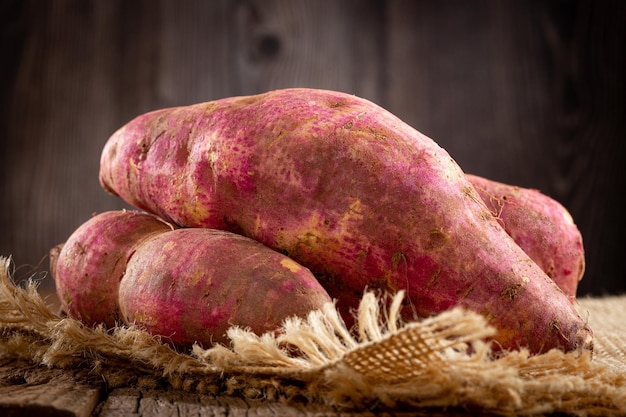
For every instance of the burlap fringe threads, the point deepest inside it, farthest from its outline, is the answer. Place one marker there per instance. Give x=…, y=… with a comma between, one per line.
x=441, y=361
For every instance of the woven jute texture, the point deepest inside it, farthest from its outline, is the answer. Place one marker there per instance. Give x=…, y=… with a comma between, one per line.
x=382, y=363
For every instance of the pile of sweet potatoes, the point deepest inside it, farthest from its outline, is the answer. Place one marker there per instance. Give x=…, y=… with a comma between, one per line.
x=318, y=195
x=188, y=285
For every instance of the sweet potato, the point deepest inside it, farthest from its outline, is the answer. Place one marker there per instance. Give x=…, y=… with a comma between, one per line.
x=541, y=226
x=187, y=285
x=89, y=266
x=348, y=190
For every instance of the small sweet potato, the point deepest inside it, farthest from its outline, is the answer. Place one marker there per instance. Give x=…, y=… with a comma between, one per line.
x=187, y=285
x=541, y=226
x=89, y=266
x=193, y=284
x=348, y=190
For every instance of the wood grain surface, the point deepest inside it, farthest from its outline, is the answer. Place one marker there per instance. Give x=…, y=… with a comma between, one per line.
x=30, y=390
x=526, y=92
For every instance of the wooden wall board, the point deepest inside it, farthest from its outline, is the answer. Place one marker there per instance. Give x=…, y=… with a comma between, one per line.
x=525, y=92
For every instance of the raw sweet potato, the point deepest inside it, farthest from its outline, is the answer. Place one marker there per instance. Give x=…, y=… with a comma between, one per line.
x=348, y=190
x=541, y=226
x=187, y=285
x=89, y=266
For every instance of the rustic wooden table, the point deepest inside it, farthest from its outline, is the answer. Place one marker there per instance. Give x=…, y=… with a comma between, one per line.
x=35, y=390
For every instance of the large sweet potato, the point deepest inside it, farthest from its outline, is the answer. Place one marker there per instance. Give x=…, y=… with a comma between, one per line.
x=348, y=190
x=187, y=285
x=541, y=226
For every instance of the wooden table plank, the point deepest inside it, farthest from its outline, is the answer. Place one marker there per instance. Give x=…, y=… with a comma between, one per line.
x=27, y=390
x=153, y=403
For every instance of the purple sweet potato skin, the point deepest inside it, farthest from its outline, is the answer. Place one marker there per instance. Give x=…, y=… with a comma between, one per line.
x=191, y=285
x=541, y=226
x=89, y=266
x=351, y=192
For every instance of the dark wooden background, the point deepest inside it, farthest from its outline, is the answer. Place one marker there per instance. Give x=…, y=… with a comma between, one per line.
x=521, y=91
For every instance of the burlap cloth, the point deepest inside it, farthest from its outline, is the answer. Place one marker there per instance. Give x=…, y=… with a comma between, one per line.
x=382, y=364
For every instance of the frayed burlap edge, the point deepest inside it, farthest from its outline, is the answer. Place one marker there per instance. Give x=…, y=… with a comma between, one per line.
x=441, y=361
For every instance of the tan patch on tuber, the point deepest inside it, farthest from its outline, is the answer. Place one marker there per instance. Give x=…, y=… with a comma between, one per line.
x=290, y=265
x=398, y=257
x=512, y=291
x=437, y=239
